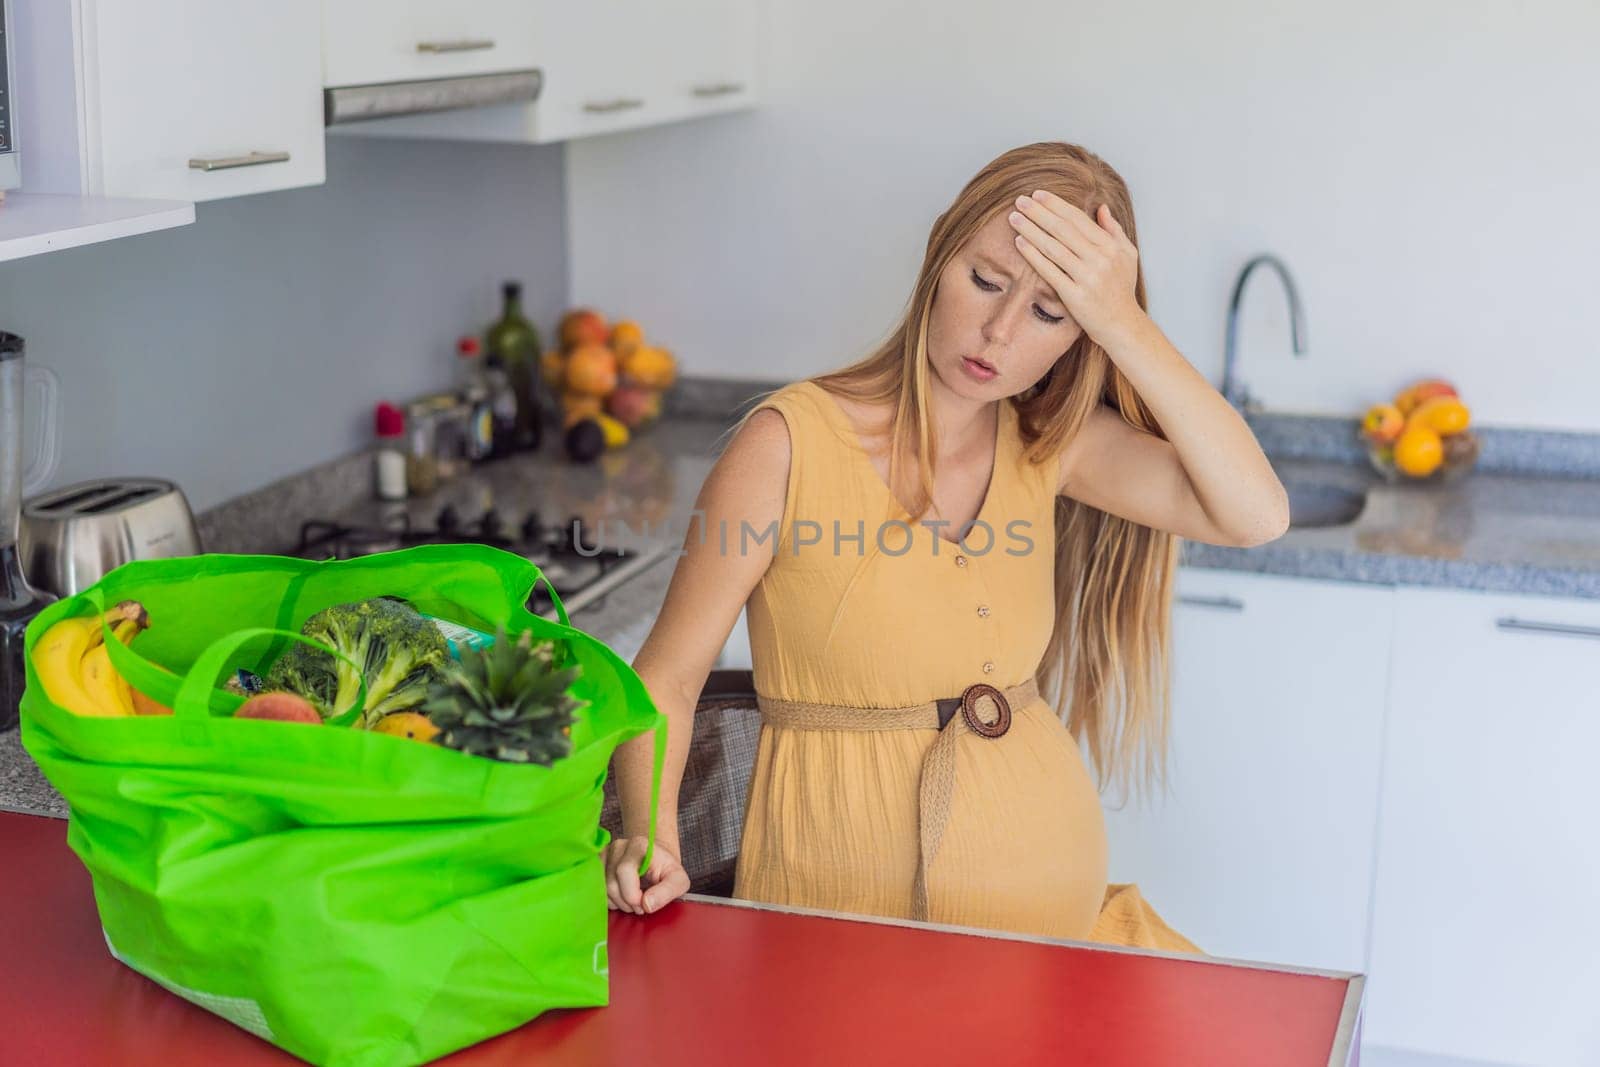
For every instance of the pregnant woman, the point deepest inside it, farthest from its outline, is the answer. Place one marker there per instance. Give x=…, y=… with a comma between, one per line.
x=957, y=556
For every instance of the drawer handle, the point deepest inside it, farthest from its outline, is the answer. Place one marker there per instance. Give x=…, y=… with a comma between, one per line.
x=605, y=106
x=1221, y=603
x=1526, y=626
x=253, y=159
x=441, y=47
x=720, y=89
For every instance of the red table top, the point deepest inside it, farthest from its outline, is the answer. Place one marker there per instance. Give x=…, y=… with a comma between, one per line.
x=715, y=982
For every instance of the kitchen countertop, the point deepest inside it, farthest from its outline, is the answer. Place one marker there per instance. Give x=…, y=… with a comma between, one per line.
x=1518, y=533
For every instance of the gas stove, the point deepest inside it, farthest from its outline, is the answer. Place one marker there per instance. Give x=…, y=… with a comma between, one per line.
x=582, y=570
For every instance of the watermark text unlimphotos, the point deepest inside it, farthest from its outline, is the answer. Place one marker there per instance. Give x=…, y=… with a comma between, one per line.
x=892, y=537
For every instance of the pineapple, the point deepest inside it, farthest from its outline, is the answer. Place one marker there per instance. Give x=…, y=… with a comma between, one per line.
x=508, y=701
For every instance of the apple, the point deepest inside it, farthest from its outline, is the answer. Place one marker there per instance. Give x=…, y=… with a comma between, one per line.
x=1382, y=424
x=282, y=707
x=583, y=326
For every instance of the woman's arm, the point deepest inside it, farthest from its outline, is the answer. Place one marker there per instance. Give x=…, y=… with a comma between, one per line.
x=1209, y=480
x=707, y=591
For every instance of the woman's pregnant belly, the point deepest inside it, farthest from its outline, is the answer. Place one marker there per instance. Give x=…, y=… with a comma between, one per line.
x=833, y=823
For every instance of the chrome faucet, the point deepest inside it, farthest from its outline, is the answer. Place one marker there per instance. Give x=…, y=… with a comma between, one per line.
x=1232, y=390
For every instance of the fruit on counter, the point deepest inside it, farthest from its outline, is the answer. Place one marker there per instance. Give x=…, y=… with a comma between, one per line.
x=553, y=369
x=575, y=406
x=61, y=658
x=1382, y=424
x=1417, y=392
x=626, y=336
x=584, y=440
x=1419, y=451
x=583, y=326
x=592, y=370
x=509, y=701
x=279, y=706
x=412, y=724
x=616, y=434
x=633, y=405
x=386, y=642
x=1445, y=415
x=651, y=367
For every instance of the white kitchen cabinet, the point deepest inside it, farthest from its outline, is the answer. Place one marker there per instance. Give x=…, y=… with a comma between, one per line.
x=372, y=41
x=1486, y=930
x=195, y=100
x=607, y=66
x=1262, y=847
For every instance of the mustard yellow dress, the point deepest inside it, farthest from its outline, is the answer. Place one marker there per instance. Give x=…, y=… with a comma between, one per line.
x=860, y=613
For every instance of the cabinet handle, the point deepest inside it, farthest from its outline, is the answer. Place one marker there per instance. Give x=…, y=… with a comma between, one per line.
x=620, y=104
x=440, y=47
x=1221, y=603
x=253, y=159
x=1532, y=627
x=720, y=89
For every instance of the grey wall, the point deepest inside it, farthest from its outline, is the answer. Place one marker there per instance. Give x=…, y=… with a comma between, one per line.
x=255, y=342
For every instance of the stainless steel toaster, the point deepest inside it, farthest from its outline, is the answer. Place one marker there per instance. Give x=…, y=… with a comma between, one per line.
x=70, y=537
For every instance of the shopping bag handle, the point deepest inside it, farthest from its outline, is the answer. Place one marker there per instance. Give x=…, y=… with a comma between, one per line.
x=561, y=609
x=192, y=702
x=660, y=730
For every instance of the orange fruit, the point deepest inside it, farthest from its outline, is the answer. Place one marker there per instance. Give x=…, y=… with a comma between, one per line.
x=1444, y=415
x=1415, y=393
x=1419, y=451
x=591, y=370
x=626, y=336
x=412, y=724
x=552, y=368
x=575, y=406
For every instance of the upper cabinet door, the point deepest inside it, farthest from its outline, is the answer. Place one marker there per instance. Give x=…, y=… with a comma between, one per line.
x=706, y=61
x=614, y=65
x=373, y=41
x=197, y=100
x=596, y=57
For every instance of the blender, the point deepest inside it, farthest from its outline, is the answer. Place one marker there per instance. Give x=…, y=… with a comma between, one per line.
x=19, y=602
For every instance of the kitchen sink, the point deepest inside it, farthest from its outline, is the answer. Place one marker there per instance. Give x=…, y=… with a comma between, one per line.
x=1318, y=504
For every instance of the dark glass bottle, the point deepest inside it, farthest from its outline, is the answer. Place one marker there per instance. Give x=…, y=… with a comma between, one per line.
x=515, y=341
x=502, y=408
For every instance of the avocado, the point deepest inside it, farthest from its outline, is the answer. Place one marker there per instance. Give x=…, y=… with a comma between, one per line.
x=585, y=441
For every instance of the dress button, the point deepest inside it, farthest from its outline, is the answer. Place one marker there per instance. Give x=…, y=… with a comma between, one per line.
x=988, y=668
x=983, y=611
x=961, y=561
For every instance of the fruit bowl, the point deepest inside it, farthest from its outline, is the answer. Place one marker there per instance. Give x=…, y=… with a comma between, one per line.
x=1460, y=454
x=1421, y=436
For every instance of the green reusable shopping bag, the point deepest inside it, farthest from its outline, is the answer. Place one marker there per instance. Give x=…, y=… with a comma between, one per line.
x=352, y=897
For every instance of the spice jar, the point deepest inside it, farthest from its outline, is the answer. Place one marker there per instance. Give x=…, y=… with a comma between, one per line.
x=422, y=463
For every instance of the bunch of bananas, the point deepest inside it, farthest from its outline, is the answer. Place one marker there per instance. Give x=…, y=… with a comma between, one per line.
x=74, y=664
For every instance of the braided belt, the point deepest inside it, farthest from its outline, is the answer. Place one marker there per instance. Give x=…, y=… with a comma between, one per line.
x=937, y=787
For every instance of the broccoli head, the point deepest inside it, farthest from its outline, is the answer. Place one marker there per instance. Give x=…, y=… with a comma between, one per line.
x=398, y=652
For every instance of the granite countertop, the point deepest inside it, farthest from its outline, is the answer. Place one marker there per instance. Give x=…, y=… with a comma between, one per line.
x=1533, y=530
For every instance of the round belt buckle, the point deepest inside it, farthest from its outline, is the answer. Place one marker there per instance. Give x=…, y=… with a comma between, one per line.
x=969, y=710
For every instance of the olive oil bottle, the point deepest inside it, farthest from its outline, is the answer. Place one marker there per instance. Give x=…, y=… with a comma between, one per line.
x=513, y=341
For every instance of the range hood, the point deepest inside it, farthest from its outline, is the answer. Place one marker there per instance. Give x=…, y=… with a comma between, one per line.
x=359, y=103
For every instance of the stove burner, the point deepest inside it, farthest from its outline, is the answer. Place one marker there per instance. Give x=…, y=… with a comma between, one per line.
x=567, y=556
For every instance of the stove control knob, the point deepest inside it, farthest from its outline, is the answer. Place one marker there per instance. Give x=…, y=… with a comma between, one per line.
x=492, y=526
x=449, y=521
x=532, y=530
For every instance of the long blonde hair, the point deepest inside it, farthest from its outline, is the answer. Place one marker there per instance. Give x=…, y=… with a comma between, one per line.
x=1107, y=669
